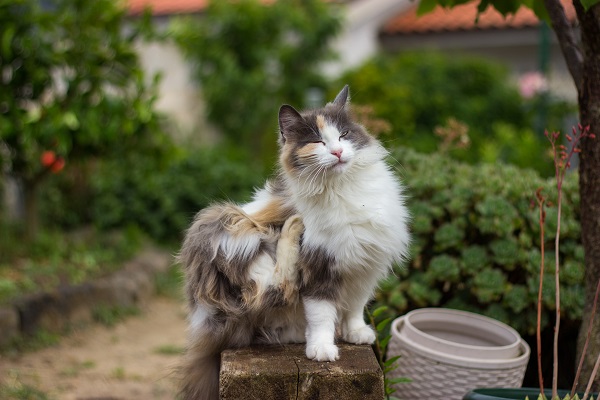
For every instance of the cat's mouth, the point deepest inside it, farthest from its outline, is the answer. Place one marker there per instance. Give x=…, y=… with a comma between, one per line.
x=339, y=165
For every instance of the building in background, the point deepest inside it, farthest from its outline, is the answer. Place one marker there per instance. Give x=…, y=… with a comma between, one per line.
x=521, y=42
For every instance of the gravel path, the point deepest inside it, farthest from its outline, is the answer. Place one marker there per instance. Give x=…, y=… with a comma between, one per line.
x=133, y=360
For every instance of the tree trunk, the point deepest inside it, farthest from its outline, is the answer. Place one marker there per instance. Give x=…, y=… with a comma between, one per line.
x=589, y=176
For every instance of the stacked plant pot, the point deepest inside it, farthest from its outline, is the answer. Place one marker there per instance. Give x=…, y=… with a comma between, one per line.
x=447, y=353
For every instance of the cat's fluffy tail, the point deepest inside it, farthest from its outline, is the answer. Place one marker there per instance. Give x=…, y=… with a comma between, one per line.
x=200, y=370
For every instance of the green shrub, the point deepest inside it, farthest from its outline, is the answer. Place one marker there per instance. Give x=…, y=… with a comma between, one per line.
x=72, y=89
x=476, y=242
x=249, y=59
x=57, y=258
x=163, y=202
x=417, y=92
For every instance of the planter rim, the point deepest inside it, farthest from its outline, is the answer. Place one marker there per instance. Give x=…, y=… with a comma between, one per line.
x=513, y=393
x=452, y=321
x=457, y=360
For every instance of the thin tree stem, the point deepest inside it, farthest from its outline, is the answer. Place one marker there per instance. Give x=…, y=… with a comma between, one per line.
x=539, y=302
x=592, y=376
x=587, y=341
x=557, y=284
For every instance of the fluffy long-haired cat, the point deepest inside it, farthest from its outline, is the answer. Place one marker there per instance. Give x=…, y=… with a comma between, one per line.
x=300, y=261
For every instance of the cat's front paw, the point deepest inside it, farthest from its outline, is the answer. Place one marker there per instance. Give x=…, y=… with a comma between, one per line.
x=363, y=335
x=322, y=352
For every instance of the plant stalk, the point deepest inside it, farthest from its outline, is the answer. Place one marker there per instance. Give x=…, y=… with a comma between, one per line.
x=557, y=295
x=540, y=201
x=592, y=376
x=587, y=341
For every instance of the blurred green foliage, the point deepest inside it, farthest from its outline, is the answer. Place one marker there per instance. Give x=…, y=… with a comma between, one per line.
x=55, y=258
x=161, y=199
x=419, y=92
x=251, y=58
x=164, y=204
x=476, y=242
x=72, y=88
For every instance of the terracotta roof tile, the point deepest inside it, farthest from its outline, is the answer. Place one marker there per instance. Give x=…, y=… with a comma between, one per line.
x=162, y=7
x=463, y=17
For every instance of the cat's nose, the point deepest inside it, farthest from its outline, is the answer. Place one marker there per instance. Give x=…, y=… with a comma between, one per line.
x=337, y=153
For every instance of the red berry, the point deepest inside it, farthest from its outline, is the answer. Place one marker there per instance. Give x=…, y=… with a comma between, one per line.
x=58, y=165
x=48, y=158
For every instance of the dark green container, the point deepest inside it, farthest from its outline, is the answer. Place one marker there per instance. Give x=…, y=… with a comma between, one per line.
x=514, y=394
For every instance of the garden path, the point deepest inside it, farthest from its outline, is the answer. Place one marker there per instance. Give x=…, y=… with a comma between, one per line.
x=135, y=359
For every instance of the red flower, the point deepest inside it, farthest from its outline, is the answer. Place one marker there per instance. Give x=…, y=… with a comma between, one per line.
x=48, y=158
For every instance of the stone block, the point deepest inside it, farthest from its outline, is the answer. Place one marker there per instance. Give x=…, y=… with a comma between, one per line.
x=279, y=372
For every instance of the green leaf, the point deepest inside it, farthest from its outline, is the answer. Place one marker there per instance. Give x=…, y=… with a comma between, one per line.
x=378, y=311
x=587, y=4
x=426, y=6
x=7, y=38
x=33, y=115
x=391, y=361
x=70, y=120
x=506, y=7
x=381, y=326
x=384, y=342
x=539, y=8
x=399, y=380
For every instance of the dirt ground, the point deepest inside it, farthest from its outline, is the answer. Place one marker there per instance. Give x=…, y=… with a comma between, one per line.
x=133, y=360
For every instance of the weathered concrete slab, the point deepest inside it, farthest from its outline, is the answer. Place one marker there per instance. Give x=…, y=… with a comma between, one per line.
x=281, y=372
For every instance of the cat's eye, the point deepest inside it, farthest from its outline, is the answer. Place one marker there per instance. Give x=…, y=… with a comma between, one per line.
x=344, y=134
x=319, y=141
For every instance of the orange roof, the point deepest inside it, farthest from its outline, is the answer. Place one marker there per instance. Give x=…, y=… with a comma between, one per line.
x=463, y=17
x=161, y=7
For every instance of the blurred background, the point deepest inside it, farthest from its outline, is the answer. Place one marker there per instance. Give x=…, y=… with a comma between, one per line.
x=119, y=120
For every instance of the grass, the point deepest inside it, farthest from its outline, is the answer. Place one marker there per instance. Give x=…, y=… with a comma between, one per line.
x=14, y=389
x=22, y=392
x=170, y=283
x=118, y=373
x=111, y=315
x=75, y=369
x=58, y=258
x=169, y=350
x=22, y=344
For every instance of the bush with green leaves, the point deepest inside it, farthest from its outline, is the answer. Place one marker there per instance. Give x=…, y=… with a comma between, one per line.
x=164, y=201
x=72, y=88
x=251, y=57
x=419, y=92
x=476, y=242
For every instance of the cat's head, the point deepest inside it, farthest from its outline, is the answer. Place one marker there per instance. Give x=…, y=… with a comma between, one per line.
x=321, y=143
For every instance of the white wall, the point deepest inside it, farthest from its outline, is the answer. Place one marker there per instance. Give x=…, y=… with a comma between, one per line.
x=359, y=40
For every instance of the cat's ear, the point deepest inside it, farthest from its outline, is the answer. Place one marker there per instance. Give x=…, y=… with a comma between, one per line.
x=343, y=97
x=288, y=116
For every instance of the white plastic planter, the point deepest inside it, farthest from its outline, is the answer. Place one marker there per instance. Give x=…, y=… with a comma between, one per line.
x=446, y=353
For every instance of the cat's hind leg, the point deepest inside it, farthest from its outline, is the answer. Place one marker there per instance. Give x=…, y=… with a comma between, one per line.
x=274, y=283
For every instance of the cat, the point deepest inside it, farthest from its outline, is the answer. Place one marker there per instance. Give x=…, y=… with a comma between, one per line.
x=301, y=260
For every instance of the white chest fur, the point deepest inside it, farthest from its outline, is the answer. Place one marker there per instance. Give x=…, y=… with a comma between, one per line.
x=361, y=221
